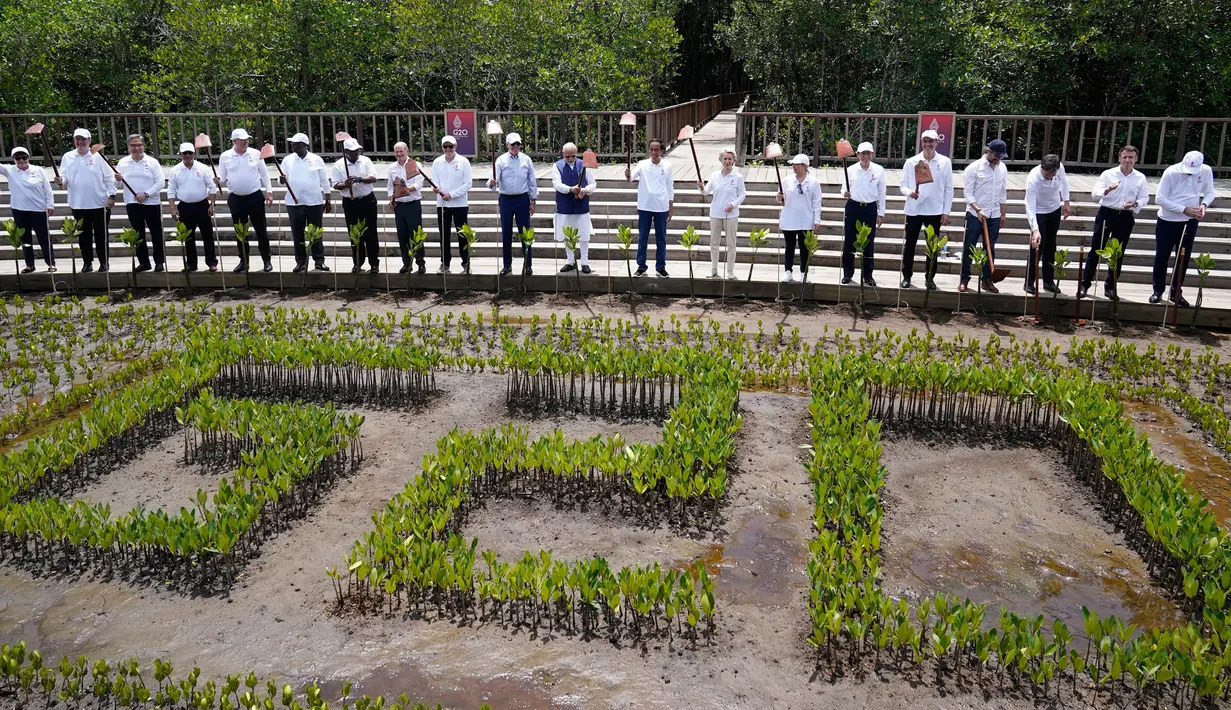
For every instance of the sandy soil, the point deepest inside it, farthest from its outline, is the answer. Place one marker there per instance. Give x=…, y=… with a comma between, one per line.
x=277, y=620
x=157, y=479
x=1007, y=526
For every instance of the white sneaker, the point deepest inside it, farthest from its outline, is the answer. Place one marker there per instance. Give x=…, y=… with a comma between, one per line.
x=787, y=276
x=730, y=276
x=713, y=274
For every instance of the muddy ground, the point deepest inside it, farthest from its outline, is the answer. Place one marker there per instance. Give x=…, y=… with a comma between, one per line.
x=1176, y=441
x=278, y=620
x=1007, y=526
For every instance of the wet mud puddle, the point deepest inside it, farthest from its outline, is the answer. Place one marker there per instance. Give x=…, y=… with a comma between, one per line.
x=1173, y=440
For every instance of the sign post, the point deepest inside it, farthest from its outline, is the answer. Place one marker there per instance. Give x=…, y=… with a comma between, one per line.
x=462, y=124
x=944, y=123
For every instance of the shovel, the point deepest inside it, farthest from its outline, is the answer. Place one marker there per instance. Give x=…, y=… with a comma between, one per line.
x=340, y=137
x=267, y=152
x=773, y=151
x=412, y=166
x=687, y=132
x=202, y=141
x=494, y=129
x=97, y=149
x=628, y=120
x=998, y=275
x=38, y=128
x=845, y=151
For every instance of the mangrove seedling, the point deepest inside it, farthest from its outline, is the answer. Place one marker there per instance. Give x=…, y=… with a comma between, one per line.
x=934, y=244
x=355, y=233
x=1060, y=264
x=527, y=243
x=417, y=239
x=1112, y=252
x=469, y=238
x=1205, y=263
x=312, y=233
x=182, y=234
x=242, y=229
x=131, y=239
x=811, y=244
x=625, y=234
x=863, y=233
x=757, y=239
x=978, y=257
x=13, y=234
x=71, y=229
x=572, y=237
x=688, y=240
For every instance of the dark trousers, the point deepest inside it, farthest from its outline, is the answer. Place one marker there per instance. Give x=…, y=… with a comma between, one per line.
x=195, y=216
x=35, y=223
x=514, y=208
x=93, y=234
x=454, y=217
x=301, y=216
x=363, y=208
x=796, y=237
x=250, y=208
x=974, y=238
x=1167, y=236
x=408, y=216
x=1049, y=225
x=147, y=218
x=915, y=224
x=858, y=212
x=1119, y=225
x=659, y=219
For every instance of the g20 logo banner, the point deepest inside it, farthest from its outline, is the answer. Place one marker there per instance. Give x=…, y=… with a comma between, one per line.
x=462, y=125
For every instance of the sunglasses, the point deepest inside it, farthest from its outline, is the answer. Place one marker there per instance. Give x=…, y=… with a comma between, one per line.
x=799, y=188
x=450, y=146
x=21, y=156
x=516, y=144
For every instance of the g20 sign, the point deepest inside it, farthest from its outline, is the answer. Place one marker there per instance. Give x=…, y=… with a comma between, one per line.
x=462, y=124
x=944, y=123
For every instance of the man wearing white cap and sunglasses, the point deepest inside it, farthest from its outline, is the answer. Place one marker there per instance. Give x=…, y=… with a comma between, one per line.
x=191, y=194
x=246, y=176
x=519, y=190
x=452, y=175
x=306, y=175
x=927, y=205
x=1184, y=193
x=354, y=175
x=865, y=204
x=91, y=195
x=31, y=201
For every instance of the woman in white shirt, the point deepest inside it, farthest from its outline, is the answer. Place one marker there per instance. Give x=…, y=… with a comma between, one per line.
x=32, y=205
x=727, y=187
x=144, y=175
x=801, y=213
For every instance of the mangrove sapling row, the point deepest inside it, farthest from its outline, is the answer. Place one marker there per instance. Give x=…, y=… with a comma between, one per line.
x=33, y=682
x=598, y=381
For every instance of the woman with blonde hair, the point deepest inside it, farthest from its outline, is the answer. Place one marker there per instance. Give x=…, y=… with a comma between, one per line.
x=727, y=187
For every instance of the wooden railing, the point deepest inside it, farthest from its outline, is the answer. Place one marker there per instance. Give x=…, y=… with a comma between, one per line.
x=1080, y=141
x=543, y=132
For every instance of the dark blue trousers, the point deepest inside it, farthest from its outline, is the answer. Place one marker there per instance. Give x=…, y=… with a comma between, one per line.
x=1168, y=236
x=514, y=208
x=660, y=238
x=974, y=238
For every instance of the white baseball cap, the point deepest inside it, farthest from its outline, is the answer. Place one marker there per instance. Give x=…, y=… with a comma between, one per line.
x=81, y=133
x=298, y=138
x=350, y=144
x=512, y=138
x=931, y=134
x=1193, y=160
x=448, y=139
x=801, y=159
x=187, y=148
x=19, y=149
x=865, y=147
x=239, y=134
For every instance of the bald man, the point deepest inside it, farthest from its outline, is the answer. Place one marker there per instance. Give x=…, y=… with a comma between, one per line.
x=574, y=185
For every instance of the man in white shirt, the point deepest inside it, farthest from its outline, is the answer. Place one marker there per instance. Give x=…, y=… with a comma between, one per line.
x=727, y=186
x=246, y=177
x=191, y=194
x=801, y=213
x=573, y=185
x=91, y=195
x=143, y=174
x=452, y=175
x=405, y=189
x=1121, y=192
x=985, y=187
x=353, y=175
x=306, y=176
x=519, y=191
x=32, y=203
x=1047, y=201
x=865, y=203
x=927, y=205
x=1184, y=193
x=655, y=180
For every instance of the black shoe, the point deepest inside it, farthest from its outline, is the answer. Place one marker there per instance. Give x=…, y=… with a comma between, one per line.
x=1110, y=292
x=640, y=271
x=663, y=273
x=103, y=268
x=846, y=281
x=28, y=270
x=189, y=269
x=870, y=282
x=87, y=268
x=141, y=268
x=1179, y=301
x=905, y=283
x=240, y=269
x=423, y=270
x=404, y=269
x=931, y=285
x=320, y=266
x=527, y=271
x=299, y=268
x=1156, y=297
x=466, y=269
x=1031, y=290
x=268, y=267
x=159, y=268
x=567, y=268
x=1051, y=288
x=585, y=269
x=1082, y=290
x=354, y=269
x=375, y=269
x=506, y=271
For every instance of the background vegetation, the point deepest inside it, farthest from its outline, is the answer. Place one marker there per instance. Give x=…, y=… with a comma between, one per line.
x=1134, y=57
